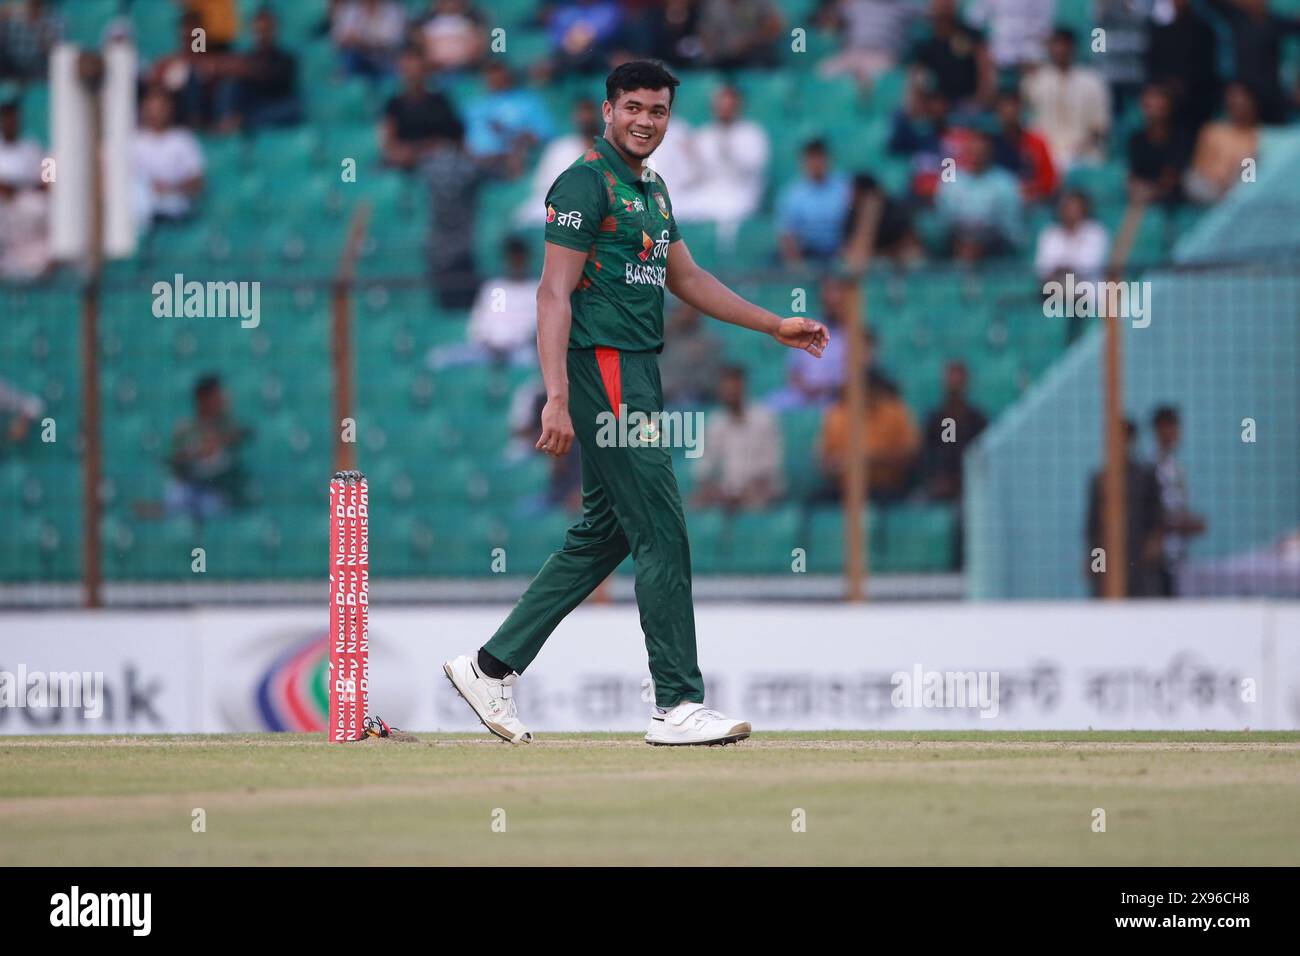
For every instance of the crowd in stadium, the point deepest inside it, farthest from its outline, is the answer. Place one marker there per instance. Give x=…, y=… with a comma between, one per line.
x=1002, y=106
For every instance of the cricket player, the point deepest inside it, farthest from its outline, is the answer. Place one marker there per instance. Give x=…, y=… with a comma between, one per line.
x=611, y=247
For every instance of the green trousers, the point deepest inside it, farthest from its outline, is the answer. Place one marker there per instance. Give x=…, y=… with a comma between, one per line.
x=631, y=506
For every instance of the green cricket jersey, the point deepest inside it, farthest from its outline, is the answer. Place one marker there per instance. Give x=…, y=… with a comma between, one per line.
x=625, y=225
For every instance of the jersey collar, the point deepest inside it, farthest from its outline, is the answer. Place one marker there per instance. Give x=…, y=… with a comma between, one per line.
x=617, y=162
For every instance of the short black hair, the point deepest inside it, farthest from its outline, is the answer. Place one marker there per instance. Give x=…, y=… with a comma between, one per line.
x=640, y=75
x=1074, y=192
x=1164, y=414
x=516, y=246
x=207, y=384
x=1065, y=33
x=732, y=370
x=815, y=145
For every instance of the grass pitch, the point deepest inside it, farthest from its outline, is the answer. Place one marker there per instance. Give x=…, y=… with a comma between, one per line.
x=867, y=798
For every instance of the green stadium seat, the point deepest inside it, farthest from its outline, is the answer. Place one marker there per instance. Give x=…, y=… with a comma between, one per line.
x=762, y=542
x=706, y=529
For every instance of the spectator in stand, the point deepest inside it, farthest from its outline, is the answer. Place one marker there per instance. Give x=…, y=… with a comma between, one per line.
x=207, y=478
x=1158, y=153
x=454, y=35
x=368, y=35
x=813, y=382
x=454, y=180
x=731, y=153
x=691, y=360
x=980, y=209
x=1257, y=37
x=20, y=409
x=739, y=34
x=676, y=163
x=741, y=465
x=24, y=223
x=956, y=58
x=1181, y=523
x=1143, y=525
x=1022, y=152
x=582, y=33
x=219, y=20
x=260, y=87
x=812, y=209
x=1017, y=29
x=1125, y=26
x=183, y=74
x=1070, y=105
x=1075, y=244
x=922, y=132
x=558, y=156
x=1223, y=146
x=21, y=155
x=29, y=29
x=951, y=427
x=507, y=119
x=891, y=439
x=168, y=163
x=503, y=320
x=670, y=27
x=895, y=238
x=1182, y=56
x=415, y=118
x=875, y=34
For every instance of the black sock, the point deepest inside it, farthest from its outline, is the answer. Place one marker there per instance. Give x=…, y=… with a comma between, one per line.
x=492, y=667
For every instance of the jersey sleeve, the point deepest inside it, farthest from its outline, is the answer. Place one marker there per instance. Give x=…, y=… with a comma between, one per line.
x=574, y=207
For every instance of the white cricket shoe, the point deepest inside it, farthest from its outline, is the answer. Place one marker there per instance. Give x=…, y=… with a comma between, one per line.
x=691, y=723
x=492, y=700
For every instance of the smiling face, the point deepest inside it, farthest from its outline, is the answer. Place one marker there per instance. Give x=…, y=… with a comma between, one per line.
x=637, y=121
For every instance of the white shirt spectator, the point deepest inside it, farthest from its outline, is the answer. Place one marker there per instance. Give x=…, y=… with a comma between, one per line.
x=24, y=223
x=504, y=316
x=1082, y=252
x=675, y=160
x=558, y=156
x=1017, y=29
x=452, y=40
x=23, y=157
x=378, y=27
x=738, y=452
x=163, y=161
x=1071, y=108
x=733, y=158
x=24, y=235
x=879, y=25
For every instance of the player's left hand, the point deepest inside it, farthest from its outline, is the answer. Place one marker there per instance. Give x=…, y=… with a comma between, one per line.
x=800, y=333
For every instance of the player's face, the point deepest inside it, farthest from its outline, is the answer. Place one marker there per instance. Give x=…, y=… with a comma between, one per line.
x=638, y=121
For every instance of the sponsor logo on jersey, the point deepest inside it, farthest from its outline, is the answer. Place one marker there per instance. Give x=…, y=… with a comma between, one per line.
x=663, y=206
x=572, y=219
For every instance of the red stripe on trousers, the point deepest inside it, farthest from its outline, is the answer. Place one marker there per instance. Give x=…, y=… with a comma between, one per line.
x=611, y=374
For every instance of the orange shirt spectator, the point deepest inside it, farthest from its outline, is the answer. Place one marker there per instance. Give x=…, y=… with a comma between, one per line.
x=892, y=441
x=219, y=19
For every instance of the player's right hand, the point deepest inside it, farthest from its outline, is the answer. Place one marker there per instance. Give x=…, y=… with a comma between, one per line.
x=557, y=429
